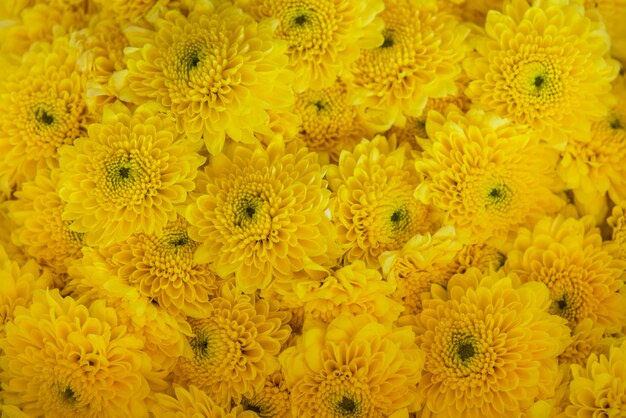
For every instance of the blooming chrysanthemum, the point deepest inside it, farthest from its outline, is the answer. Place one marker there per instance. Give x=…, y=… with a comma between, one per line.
x=353, y=289
x=271, y=401
x=490, y=344
x=420, y=57
x=235, y=346
x=544, y=65
x=583, y=276
x=193, y=402
x=42, y=107
x=94, y=278
x=373, y=206
x=324, y=36
x=215, y=70
x=352, y=367
x=596, y=165
x=65, y=359
x=36, y=211
x=329, y=122
x=102, y=54
x=128, y=176
x=599, y=390
x=18, y=283
x=262, y=214
x=162, y=268
x=613, y=14
x=423, y=261
x=587, y=338
x=617, y=222
x=490, y=177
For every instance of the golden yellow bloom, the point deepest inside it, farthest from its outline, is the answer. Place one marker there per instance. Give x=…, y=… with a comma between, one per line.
x=617, y=222
x=215, y=70
x=132, y=10
x=41, y=108
x=353, y=289
x=420, y=57
x=193, y=402
x=40, y=229
x=262, y=214
x=544, y=65
x=129, y=175
x=324, y=36
x=162, y=268
x=599, y=390
x=271, y=401
x=583, y=276
x=490, y=177
x=597, y=165
x=352, y=367
x=373, y=206
x=423, y=261
x=587, y=338
x=490, y=344
x=65, y=359
x=94, y=278
x=613, y=14
x=235, y=346
x=329, y=122
x=18, y=283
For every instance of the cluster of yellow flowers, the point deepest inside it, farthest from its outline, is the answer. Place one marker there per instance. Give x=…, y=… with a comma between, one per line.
x=312, y=208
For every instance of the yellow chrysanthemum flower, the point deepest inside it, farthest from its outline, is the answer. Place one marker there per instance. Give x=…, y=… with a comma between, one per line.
x=215, y=70
x=64, y=359
x=129, y=176
x=491, y=346
x=596, y=166
x=193, y=402
x=599, y=390
x=544, y=65
x=587, y=338
x=582, y=274
x=353, y=289
x=39, y=227
x=490, y=177
x=263, y=214
x=352, y=367
x=18, y=284
x=93, y=279
x=162, y=268
x=423, y=261
x=324, y=36
x=271, y=401
x=101, y=48
x=329, y=122
x=420, y=57
x=473, y=11
x=612, y=14
x=234, y=346
x=42, y=107
x=617, y=222
x=373, y=206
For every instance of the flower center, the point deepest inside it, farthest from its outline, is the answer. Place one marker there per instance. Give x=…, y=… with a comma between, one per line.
x=539, y=80
x=319, y=105
x=346, y=406
x=615, y=123
x=200, y=345
x=44, y=117
x=465, y=351
x=387, y=41
x=300, y=20
x=68, y=396
x=252, y=407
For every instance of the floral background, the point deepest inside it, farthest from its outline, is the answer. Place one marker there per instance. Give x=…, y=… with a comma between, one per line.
x=312, y=208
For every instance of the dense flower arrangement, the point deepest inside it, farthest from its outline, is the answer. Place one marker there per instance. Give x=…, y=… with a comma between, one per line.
x=312, y=208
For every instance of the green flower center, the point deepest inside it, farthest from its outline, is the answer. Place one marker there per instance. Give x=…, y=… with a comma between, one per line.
x=347, y=406
x=44, y=117
x=68, y=396
x=465, y=351
x=300, y=20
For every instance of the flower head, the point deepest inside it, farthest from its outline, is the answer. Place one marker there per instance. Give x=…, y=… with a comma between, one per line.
x=600, y=388
x=490, y=346
x=42, y=107
x=490, y=177
x=543, y=64
x=324, y=36
x=612, y=13
x=128, y=176
x=234, y=346
x=65, y=359
x=569, y=257
x=617, y=222
x=193, y=402
x=215, y=70
x=419, y=58
x=262, y=214
x=271, y=401
x=373, y=206
x=352, y=367
x=40, y=229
